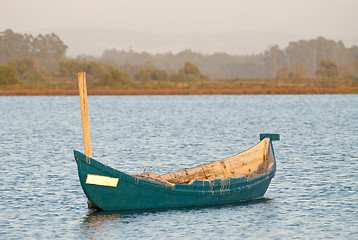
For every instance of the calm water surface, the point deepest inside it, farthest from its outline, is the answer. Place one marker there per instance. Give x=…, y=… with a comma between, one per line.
x=314, y=194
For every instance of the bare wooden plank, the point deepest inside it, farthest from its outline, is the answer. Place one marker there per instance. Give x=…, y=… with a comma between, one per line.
x=84, y=113
x=252, y=161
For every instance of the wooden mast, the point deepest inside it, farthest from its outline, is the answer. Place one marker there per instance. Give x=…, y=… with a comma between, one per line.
x=84, y=111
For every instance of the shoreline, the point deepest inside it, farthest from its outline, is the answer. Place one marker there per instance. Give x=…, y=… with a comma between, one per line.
x=245, y=91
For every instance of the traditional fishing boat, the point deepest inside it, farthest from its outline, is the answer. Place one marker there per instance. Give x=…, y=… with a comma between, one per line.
x=243, y=177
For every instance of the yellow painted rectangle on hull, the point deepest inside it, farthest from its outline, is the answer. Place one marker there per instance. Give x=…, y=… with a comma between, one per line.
x=101, y=180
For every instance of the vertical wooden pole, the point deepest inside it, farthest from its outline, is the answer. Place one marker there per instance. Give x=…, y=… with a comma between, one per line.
x=84, y=111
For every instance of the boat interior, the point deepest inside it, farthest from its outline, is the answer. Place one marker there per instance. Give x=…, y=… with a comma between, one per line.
x=251, y=163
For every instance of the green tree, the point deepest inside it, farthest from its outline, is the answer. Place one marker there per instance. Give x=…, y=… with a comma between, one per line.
x=190, y=69
x=284, y=74
x=327, y=69
x=114, y=77
x=48, y=49
x=29, y=69
x=151, y=74
x=300, y=71
x=13, y=45
x=69, y=68
x=189, y=73
x=274, y=60
x=354, y=66
x=8, y=75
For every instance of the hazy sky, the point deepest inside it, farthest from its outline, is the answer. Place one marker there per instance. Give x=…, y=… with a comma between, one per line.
x=337, y=19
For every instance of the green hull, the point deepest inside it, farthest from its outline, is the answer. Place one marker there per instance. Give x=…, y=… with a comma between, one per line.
x=110, y=189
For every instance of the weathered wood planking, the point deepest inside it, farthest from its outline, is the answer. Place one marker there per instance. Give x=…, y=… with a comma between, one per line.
x=249, y=163
x=84, y=112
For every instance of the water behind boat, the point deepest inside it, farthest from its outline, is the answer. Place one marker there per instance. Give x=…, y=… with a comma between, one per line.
x=313, y=195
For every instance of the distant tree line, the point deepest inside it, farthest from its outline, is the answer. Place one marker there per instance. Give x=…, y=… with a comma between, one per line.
x=25, y=58
x=300, y=59
x=304, y=58
x=107, y=74
x=216, y=66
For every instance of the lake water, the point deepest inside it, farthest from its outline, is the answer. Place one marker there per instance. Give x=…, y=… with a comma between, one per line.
x=314, y=194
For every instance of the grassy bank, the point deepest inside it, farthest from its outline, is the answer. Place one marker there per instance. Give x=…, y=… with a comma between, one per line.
x=237, y=87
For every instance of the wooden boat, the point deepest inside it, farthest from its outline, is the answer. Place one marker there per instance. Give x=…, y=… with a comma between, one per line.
x=245, y=176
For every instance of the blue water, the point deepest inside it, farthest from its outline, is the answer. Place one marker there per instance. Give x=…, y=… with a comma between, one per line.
x=314, y=194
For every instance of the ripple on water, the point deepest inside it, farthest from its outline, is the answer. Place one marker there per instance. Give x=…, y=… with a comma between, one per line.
x=313, y=195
